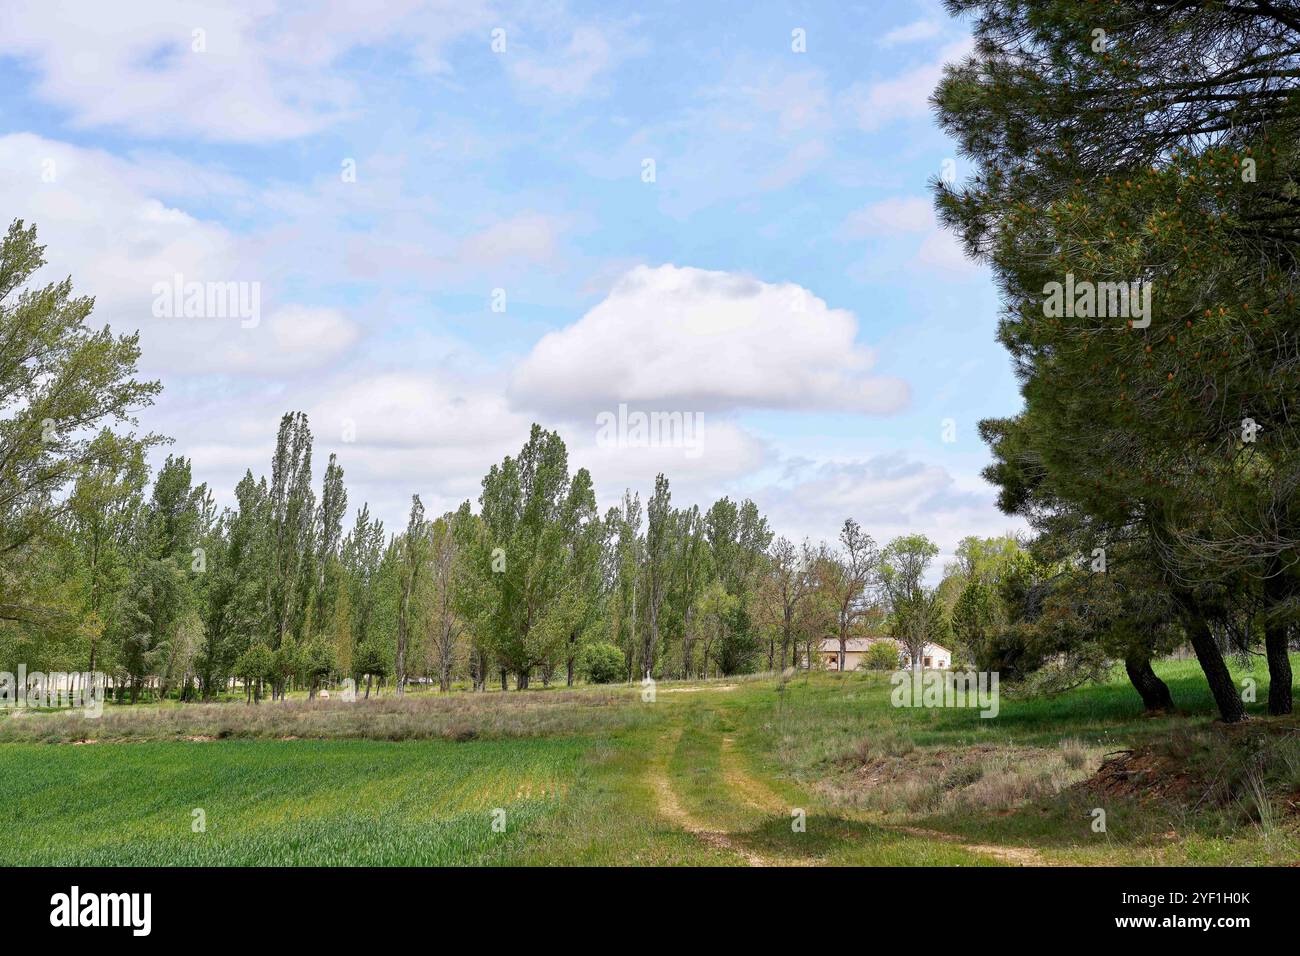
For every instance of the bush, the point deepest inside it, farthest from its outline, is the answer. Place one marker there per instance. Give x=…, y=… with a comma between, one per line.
x=881, y=656
x=601, y=664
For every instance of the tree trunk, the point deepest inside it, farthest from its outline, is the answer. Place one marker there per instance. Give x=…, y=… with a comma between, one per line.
x=1226, y=695
x=1276, y=590
x=504, y=685
x=1154, y=692
x=93, y=648
x=651, y=642
x=688, y=645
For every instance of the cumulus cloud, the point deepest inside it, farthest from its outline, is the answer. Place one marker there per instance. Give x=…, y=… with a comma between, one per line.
x=410, y=409
x=437, y=433
x=681, y=338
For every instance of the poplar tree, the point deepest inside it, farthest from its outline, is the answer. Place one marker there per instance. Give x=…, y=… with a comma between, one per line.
x=291, y=510
x=62, y=384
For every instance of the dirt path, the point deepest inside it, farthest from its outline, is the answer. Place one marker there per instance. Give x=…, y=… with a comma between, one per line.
x=1015, y=855
x=672, y=810
x=757, y=794
x=750, y=789
x=744, y=788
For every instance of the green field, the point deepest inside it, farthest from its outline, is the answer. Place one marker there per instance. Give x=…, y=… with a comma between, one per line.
x=707, y=774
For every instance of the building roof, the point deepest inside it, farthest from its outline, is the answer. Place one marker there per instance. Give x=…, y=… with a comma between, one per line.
x=853, y=644
x=857, y=645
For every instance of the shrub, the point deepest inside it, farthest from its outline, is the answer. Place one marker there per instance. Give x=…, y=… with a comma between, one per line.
x=881, y=656
x=601, y=664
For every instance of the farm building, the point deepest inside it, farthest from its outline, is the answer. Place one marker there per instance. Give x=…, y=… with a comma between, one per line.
x=855, y=649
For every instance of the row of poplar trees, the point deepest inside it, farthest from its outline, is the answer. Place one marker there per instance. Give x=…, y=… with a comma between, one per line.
x=107, y=568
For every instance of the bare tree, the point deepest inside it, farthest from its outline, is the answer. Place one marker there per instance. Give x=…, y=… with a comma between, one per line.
x=850, y=577
x=790, y=581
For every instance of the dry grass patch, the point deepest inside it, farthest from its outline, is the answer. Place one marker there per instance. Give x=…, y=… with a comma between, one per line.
x=1251, y=770
x=892, y=776
x=459, y=717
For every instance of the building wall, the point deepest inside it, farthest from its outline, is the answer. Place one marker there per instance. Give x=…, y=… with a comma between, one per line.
x=935, y=657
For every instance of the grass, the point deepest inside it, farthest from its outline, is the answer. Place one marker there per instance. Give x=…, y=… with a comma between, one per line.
x=411, y=717
x=723, y=773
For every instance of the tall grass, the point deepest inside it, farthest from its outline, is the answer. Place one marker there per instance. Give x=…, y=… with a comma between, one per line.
x=412, y=717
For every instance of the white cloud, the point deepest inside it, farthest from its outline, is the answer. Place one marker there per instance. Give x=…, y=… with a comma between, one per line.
x=570, y=72
x=897, y=214
x=942, y=252
x=758, y=129
x=405, y=408
x=266, y=71
x=526, y=237
x=911, y=33
x=101, y=226
x=684, y=339
x=889, y=495
x=799, y=101
x=905, y=97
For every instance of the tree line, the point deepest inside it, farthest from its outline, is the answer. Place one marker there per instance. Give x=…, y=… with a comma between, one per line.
x=106, y=566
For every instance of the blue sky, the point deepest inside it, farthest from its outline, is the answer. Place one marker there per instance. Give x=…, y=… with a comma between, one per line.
x=781, y=275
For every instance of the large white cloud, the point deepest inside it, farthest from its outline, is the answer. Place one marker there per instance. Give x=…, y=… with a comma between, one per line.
x=683, y=339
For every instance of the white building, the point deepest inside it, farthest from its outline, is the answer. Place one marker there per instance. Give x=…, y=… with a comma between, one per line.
x=855, y=651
